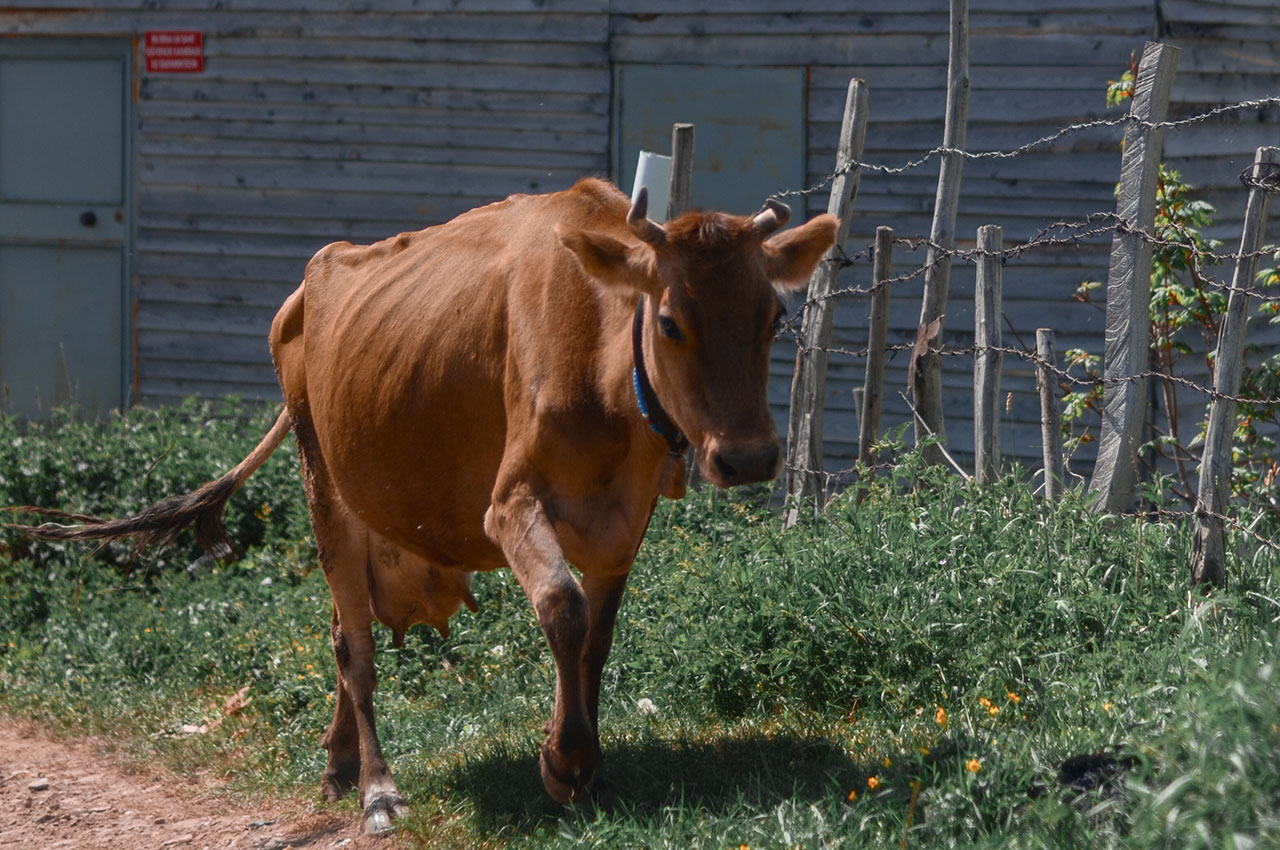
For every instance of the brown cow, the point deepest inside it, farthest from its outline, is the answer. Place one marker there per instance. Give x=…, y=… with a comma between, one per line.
x=511, y=388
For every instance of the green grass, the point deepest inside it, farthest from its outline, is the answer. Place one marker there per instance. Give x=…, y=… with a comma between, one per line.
x=788, y=668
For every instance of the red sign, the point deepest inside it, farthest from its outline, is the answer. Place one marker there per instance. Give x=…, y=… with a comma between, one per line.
x=175, y=51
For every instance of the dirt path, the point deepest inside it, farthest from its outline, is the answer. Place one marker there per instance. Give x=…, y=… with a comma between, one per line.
x=66, y=794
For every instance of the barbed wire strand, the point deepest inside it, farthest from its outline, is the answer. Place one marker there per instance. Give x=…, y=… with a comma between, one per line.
x=1259, y=103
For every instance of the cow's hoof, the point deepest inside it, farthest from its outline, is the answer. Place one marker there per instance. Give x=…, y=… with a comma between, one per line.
x=380, y=812
x=584, y=787
x=334, y=785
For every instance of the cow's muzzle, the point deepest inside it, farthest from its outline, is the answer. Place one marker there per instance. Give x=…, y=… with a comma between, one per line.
x=729, y=466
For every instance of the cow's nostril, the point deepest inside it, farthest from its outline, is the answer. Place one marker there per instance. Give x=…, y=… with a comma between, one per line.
x=725, y=468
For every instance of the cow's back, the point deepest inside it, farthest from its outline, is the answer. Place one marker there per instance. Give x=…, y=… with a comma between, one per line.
x=400, y=353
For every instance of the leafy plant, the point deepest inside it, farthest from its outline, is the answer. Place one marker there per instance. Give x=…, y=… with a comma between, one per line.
x=1186, y=306
x=919, y=662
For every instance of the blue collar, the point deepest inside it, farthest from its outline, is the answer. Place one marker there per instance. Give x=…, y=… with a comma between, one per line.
x=650, y=407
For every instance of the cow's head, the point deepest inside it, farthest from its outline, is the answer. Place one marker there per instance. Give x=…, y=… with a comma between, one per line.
x=710, y=283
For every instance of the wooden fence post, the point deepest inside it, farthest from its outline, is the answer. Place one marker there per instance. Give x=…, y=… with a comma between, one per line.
x=1208, y=552
x=927, y=385
x=1128, y=334
x=1050, y=414
x=873, y=384
x=808, y=386
x=679, y=199
x=987, y=359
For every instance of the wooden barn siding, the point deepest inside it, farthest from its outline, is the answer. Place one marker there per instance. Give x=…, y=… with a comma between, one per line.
x=339, y=124
x=331, y=124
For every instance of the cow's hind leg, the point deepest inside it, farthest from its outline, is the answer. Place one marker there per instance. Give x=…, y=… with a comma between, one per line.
x=352, y=739
x=341, y=738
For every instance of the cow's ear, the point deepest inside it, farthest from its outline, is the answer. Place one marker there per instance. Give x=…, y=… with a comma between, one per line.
x=792, y=255
x=610, y=261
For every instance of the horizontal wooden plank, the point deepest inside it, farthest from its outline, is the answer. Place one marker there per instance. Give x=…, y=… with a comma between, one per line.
x=532, y=158
x=168, y=392
x=993, y=106
x=1040, y=77
x=363, y=6
x=251, y=80
x=218, y=319
x=543, y=112
x=387, y=213
x=231, y=245
x=359, y=141
x=158, y=228
x=171, y=264
x=1248, y=57
x=208, y=348
x=1133, y=21
x=356, y=52
x=250, y=294
x=227, y=23
x=258, y=375
x=859, y=52
x=468, y=181
x=737, y=7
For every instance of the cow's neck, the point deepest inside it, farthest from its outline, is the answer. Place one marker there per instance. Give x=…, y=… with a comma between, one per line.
x=655, y=415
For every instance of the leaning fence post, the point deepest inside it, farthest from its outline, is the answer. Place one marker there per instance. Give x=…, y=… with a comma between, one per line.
x=1208, y=552
x=1050, y=414
x=808, y=386
x=987, y=358
x=1128, y=334
x=873, y=384
x=681, y=193
x=927, y=384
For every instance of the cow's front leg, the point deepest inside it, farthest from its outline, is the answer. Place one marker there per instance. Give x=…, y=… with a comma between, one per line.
x=604, y=595
x=519, y=524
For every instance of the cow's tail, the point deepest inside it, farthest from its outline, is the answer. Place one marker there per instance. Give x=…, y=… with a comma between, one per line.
x=160, y=523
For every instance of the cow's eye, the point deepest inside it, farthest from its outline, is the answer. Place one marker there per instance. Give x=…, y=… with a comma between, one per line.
x=669, y=328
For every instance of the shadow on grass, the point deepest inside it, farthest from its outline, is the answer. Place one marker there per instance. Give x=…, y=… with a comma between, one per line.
x=652, y=775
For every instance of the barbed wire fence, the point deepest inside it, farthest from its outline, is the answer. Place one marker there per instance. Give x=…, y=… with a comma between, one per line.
x=1260, y=180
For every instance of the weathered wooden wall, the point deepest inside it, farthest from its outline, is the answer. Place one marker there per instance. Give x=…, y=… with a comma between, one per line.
x=340, y=123
x=335, y=123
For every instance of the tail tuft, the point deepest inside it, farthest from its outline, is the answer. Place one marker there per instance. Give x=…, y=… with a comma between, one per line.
x=157, y=525
x=160, y=523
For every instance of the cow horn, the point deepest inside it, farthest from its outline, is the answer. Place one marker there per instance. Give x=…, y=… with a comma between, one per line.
x=644, y=228
x=774, y=215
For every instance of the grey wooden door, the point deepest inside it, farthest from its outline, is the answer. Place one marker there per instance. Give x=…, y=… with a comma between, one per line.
x=65, y=223
x=749, y=128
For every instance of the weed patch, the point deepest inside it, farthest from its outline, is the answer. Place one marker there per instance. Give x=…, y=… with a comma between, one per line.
x=919, y=665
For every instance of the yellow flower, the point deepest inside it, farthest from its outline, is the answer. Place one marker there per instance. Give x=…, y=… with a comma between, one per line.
x=873, y=782
x=986, y=703
x=973, y=766
x=853, y=795
x=887, y=762
x=1106, y=706
x=924, y=751
x=993, y=710
x=941, y=717
x=1014, y=697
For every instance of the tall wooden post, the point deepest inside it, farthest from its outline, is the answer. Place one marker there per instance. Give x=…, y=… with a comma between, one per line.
x=1128, y=334
x=1208, y=554
x=873, y=384
x=681, y=193
x=987, y=359
x=808, y=387
x=927, y=387
x=1050, y=414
